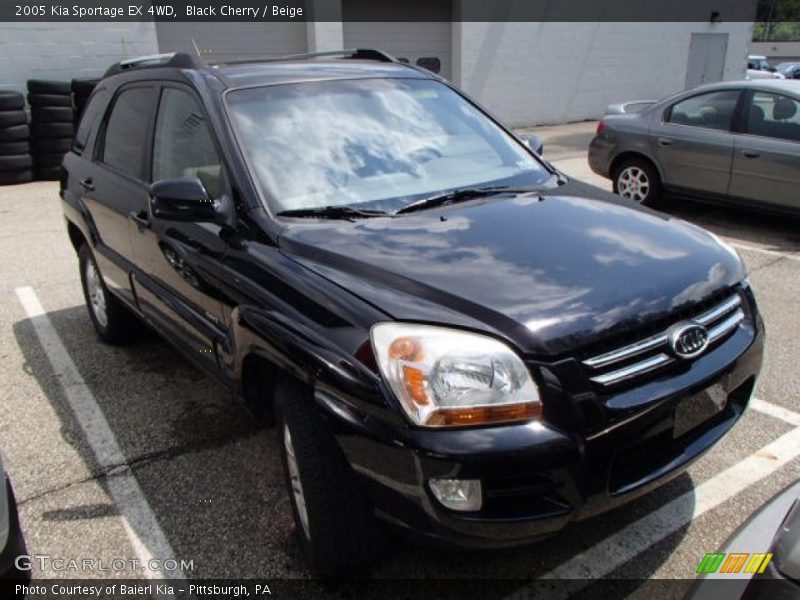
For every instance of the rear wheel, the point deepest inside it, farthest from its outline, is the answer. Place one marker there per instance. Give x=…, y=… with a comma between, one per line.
x=333, y=519
x=636, y=179
x=112, y=321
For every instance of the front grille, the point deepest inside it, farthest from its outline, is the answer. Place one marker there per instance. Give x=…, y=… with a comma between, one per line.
x=632, y=360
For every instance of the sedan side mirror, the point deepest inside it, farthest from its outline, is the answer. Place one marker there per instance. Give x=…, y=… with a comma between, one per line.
x=533, y=142
x=186, y=199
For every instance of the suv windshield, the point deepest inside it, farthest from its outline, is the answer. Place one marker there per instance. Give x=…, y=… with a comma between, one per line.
x=380, y=144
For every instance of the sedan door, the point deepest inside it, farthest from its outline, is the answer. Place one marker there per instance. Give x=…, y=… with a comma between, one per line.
x=693, y=143
x=766, y=164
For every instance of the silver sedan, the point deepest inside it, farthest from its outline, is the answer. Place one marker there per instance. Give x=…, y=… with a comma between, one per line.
x=735, y=141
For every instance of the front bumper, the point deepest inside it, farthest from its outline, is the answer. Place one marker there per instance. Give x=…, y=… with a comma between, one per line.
x=537, y=477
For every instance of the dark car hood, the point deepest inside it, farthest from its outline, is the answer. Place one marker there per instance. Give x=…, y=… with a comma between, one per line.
x=549, y=273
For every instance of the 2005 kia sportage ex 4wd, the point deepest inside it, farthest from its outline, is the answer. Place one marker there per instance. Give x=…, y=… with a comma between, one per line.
x=454, y=338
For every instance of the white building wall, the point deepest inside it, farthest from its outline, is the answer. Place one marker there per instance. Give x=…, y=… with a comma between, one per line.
x=62, y=51
x=550, y=72
x=777, y=51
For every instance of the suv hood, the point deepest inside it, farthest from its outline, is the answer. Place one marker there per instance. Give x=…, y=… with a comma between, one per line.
x=548, y=273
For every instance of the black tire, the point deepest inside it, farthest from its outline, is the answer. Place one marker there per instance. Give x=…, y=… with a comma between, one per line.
x=17, y=162
x=121, y=326
x=48, y=173
x=51, y=145
x=11, y=100
x=49, y=100
x=52, y=114
x=15, y=177
x=637, y=180
x=52, y=130
x=343, y=535
x=43, y=86
x=17, y=133
x=83, y=87
x=48, y=160
x=10, y=148
x=10, y=118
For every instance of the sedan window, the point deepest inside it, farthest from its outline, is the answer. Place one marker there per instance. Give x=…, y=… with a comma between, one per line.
x=775, y=116
x=713, y=110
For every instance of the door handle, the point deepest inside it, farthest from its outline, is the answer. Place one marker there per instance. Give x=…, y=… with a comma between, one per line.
x=664, y=142
x=86, y=184
x=751, y=153
x=141, y=220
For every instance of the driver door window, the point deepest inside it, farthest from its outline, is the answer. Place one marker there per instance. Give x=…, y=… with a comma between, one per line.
x=183, y=146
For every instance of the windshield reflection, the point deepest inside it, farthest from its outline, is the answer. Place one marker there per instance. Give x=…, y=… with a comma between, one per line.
x=377, y=142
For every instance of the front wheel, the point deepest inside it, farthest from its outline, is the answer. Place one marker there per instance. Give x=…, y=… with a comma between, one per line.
x=112, y=321
x=636, y=179
x=333, y=519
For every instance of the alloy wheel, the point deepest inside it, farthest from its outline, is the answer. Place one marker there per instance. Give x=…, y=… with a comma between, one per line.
x=633, y=183
x=295, y=483
x=96, y=293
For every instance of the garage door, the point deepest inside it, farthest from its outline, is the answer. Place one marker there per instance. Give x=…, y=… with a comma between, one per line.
x=370, y=24
x=229, y=41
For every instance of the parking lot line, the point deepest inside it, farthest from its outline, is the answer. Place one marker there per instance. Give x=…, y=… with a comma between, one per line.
x=760, y=250
x=630, y=541
x=775, y=411
x=139, y=521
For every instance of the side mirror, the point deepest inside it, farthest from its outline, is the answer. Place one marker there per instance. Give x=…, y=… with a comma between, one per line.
x=533, y=142
x=186, y=199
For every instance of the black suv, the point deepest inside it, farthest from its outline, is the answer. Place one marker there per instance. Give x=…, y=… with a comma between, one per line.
x=452, y=337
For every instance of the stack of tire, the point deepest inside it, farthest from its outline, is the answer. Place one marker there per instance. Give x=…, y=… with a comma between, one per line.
x=15, y=149
x=81, y=90
x=52, y=125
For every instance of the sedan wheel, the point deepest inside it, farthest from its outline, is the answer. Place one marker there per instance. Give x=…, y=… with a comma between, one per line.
x=637, y=180
x=634, y=184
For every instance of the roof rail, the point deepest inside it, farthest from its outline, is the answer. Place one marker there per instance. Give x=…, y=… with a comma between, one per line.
x=351, y=53
x=178, y=60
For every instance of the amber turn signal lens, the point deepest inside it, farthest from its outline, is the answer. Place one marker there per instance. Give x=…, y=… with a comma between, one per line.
x=406, y=348
x=415, y=382
x=481, y=415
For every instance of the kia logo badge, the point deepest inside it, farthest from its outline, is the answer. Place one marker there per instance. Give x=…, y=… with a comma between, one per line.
x=688, y=339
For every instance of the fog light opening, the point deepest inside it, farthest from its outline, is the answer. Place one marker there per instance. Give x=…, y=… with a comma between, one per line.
x=458, y=494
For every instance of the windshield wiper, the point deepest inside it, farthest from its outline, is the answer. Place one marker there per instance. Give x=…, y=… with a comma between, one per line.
x=461, y=194
x=332, y=212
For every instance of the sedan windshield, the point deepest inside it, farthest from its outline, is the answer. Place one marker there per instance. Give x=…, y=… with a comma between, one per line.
x=380, y=144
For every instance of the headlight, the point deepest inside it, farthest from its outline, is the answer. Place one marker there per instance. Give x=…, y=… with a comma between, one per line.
x=445, y=378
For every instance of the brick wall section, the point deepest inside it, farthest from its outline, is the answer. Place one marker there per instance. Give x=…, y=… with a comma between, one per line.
x=62, y=51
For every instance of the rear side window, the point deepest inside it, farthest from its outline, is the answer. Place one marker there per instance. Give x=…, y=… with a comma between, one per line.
x=774, y=116
x=713, y=110
x=126, y=131
x=89, y=120
x=183, y=146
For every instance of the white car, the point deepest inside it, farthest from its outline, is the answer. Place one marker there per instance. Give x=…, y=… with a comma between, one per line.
x=759, y=68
